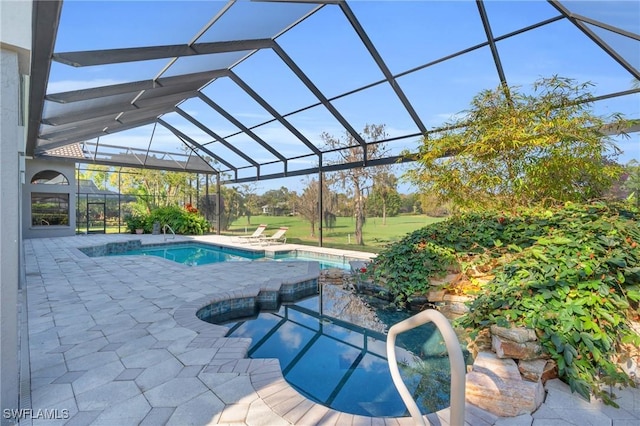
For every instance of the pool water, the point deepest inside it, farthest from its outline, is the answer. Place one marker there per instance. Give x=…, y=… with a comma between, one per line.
x=201, y=254
x=344, y=366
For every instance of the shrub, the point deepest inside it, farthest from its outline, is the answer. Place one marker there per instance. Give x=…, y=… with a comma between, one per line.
x=135, y=222
x=571, y=273
x=180, y=220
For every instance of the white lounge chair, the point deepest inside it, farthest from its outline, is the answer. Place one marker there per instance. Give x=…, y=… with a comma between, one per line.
x=277, y=237
x=257, y=234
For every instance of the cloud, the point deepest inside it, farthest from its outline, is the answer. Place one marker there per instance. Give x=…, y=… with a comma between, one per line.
x=290, y=337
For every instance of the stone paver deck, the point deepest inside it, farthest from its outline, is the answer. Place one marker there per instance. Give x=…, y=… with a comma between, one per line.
x=115, y=341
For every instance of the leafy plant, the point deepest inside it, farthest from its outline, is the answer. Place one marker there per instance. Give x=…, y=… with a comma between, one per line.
x=571, y=273
x=578, y=286
x=135, y=222
x=517, y=148
x=405, y=268
x=180, y=220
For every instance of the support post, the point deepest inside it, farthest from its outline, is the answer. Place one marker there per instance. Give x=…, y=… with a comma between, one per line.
x=198, y=190
x=218, y=201
x=320, y=206
x=119, y=200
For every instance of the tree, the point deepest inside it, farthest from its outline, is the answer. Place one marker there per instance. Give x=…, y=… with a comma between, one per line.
x=250, y=200
x=278, y=200
x=307, y=205
x=98, y=173
x=516, y=149
x=355, y=180
x=410, y=203
x=384, y=198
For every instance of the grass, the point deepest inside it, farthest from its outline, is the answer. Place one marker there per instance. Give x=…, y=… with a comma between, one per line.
x=375, y=234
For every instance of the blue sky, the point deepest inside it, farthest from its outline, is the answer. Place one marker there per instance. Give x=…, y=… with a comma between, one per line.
x=407, y=34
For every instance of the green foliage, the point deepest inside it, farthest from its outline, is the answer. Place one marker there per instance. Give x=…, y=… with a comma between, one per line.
x=632, y=184
x=513, y=148
x=180, y=220
x=135, y=222
x=406, y=267
x=572, y=274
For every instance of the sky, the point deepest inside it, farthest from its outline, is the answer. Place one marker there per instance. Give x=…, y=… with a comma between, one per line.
x=407, y=34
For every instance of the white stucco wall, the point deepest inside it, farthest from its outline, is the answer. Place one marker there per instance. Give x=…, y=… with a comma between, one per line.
x=14, y=15
x=15, y=47
x=11, y=142
x=15, y=30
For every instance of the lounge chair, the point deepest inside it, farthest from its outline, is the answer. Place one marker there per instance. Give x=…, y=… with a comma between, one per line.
x=278, y=236
x=257, y=234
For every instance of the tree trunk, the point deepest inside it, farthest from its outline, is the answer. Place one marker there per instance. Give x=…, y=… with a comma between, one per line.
x=384, y=212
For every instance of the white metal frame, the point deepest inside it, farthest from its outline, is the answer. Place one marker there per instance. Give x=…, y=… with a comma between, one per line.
x=456, y=362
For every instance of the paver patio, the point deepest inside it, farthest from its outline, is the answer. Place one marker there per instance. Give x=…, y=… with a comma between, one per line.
x=115, y=340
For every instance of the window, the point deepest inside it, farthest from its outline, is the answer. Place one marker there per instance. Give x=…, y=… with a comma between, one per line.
x=49, y=209
x=49, y=177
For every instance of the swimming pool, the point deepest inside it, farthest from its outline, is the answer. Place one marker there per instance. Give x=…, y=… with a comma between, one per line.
x=195, y=254
x=343, y=366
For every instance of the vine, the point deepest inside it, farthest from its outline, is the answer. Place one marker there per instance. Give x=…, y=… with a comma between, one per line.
x=571, y=273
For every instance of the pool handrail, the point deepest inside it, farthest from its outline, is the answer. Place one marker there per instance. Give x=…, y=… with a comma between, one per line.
x=456, y=363
x=164, y=232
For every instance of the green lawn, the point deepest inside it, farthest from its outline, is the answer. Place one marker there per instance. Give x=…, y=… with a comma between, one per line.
x=376, y=235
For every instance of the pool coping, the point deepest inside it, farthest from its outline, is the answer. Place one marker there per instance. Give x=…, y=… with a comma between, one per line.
x=121, y=247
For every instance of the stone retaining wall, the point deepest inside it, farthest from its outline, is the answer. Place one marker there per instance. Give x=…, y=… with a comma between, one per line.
x=509, y=372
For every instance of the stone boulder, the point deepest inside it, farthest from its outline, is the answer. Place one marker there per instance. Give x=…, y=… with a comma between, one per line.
x=515, y=334
x=504, y=398
x=538, y=369
x=494, y=384
x=509, y=349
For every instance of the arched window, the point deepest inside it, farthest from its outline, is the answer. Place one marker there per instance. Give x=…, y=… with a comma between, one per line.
x=49, y=177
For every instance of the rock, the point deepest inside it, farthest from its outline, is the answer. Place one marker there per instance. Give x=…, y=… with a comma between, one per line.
x=482, y=343
x=435, y=295
x=550, y=371
x=457, y=299
x=504, y=398
x=515, y=334
x=448, y=279
x=532, y=369
x=509, y=349
x=488, y=363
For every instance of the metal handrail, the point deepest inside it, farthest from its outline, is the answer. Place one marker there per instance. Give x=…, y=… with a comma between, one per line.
x=456, y=363
x=164, y=232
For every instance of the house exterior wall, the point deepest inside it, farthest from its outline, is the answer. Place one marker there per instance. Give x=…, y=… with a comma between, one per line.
x=15, y=45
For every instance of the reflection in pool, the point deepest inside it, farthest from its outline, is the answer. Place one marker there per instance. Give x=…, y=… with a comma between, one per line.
x=344, y=366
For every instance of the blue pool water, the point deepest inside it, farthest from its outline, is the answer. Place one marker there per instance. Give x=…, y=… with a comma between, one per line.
x=202, y=254
x=343, y=366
